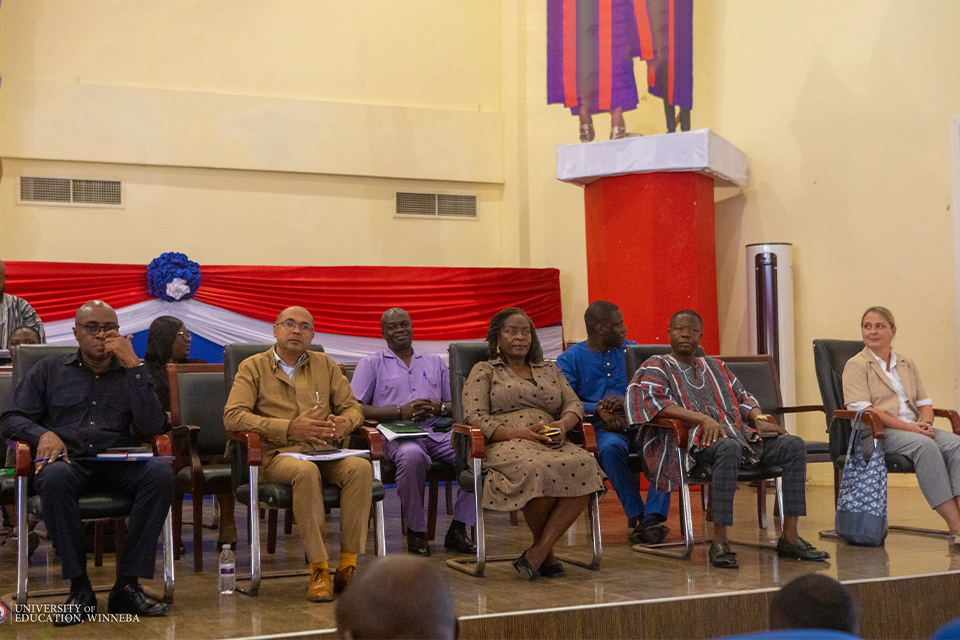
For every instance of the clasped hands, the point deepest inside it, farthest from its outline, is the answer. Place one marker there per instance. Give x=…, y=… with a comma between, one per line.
x=309, y=428
x=610, y=410
x=420, y=409
x=535, y=432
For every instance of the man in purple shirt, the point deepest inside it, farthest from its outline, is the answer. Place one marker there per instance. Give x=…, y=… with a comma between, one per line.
x=398, y=384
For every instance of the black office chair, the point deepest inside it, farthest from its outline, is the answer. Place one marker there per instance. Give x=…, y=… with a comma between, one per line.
x=245, y=460
x=97, y=506
x=197, y=399
x=470, y=447
x=829, y=359
x=758, y=374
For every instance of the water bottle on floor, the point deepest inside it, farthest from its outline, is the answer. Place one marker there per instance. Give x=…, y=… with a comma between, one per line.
x=228, y=579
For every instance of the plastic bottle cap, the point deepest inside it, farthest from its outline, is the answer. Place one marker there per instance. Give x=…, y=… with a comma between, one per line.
x=225, y=547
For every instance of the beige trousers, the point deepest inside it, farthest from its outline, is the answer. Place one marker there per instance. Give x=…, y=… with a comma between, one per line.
x=353, y=475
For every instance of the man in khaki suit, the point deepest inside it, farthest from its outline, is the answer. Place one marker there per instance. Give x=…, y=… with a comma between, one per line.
x=299, y=401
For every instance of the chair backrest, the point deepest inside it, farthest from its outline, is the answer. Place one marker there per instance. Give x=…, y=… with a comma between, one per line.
x=234, y=354
x=829, y=359
x=29, y=355
x=6, y=390
x=463, y=357
x=197, y=397
x=637, y=354
x=758, y=375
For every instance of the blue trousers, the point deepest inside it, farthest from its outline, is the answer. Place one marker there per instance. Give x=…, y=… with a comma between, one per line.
x=612, y=451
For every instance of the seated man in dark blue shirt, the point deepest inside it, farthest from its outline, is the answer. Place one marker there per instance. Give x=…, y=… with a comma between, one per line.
x=71, y=408
x=596, y=371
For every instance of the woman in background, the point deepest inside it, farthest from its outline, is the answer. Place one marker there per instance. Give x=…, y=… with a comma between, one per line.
x=169, y=341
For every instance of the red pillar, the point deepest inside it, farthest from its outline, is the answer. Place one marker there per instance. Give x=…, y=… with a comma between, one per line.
x=651, y=251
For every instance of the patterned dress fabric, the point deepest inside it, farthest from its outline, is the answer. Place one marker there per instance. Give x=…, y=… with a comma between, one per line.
x=520, y=470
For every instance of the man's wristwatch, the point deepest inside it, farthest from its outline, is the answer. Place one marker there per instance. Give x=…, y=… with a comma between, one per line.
x=765, y=417
x=399, y=413
x=443, y=410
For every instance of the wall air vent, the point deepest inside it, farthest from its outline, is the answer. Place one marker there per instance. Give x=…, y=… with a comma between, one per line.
x=69, y=192
x=436, y=205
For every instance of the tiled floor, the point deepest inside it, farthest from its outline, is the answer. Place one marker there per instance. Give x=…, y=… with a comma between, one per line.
x=200, y=612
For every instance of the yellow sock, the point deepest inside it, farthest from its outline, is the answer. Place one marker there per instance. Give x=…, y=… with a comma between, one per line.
x=323, y=564
x=347, y=560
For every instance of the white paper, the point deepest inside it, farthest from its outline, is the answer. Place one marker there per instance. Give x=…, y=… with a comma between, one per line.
x=393, y=435
x=326, y=456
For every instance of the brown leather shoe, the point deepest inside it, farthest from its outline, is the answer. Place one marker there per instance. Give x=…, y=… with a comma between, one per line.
x=321, y=588
x=343, y=577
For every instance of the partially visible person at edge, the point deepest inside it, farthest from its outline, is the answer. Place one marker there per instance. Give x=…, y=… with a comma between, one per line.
x=15, y=312
x=72, y=408
x=596, y=371
x=889, y=384
x=730, y=432
x=515, y=396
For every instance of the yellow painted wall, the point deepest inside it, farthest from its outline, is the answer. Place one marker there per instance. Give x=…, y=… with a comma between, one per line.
x=266, y=132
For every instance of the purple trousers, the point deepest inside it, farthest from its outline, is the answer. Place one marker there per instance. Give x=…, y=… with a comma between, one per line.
x=413, y=457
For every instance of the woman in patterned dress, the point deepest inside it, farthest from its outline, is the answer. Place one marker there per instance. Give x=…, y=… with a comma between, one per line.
x=514, y=397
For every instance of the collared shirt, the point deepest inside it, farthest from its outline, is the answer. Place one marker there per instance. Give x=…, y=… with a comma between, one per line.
x=904, y=412
x=90, y=412
x=287, y=369
x=594, y=376
x=383, y=380
x=17, y=312
x=264, y=400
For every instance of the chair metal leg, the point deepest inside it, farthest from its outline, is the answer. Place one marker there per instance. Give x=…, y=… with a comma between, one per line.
x=762, y=504
x=593, y=514
x=686, y=525
x=467, y=565
x=432, y=510
x=23, y=531
x=168, y=577
x=254, y=529
x=379, y=523
x=778, y=483
x=197, y=500
x=177, y=510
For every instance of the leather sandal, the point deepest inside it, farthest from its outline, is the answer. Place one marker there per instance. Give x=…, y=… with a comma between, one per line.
x=524, y=568
x=587, y=134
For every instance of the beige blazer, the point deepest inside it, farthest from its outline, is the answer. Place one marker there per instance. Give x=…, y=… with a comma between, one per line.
x=865, y=381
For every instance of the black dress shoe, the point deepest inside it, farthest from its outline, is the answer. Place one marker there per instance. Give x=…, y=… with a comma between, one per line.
x=417, y=543
x=80, y=604
x=457, y=540
x=131, y=599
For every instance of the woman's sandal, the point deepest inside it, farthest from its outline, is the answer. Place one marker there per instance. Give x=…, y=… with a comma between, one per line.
x=524, y=568
x=554, y=570
x=587, y=134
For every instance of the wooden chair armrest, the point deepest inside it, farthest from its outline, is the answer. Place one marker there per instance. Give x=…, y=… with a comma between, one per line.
x=589, y=435
x=872, y=419
x=367, y=422
x=681, y=430
x=24, y=459
x=951, y=415
x=251, y=441
x=184, y=444
x=161, y=445
x=373, y=440
x=477, y=441
x=801, y=409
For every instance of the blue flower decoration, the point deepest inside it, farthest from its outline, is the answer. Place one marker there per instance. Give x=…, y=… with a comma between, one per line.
x=173, y=276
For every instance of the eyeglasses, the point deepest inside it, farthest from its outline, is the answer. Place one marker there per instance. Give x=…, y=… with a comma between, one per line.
x=290, y=325
x=510, y=331
x=93, y=328
x=185, y=335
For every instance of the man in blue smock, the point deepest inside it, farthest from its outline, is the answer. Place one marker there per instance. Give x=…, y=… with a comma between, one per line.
x=596, y=371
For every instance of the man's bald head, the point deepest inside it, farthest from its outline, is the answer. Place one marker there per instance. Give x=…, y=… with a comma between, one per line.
x=94, y=307
x=291, y=311
x=398, y=596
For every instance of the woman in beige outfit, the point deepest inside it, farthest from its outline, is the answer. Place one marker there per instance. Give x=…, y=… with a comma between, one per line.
x=515, y=397
x=888, y=383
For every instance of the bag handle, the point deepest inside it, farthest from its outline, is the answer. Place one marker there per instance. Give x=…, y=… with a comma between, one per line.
x=855, y=426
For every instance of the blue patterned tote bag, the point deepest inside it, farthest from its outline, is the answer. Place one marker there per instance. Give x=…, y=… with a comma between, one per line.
x=862, y=505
